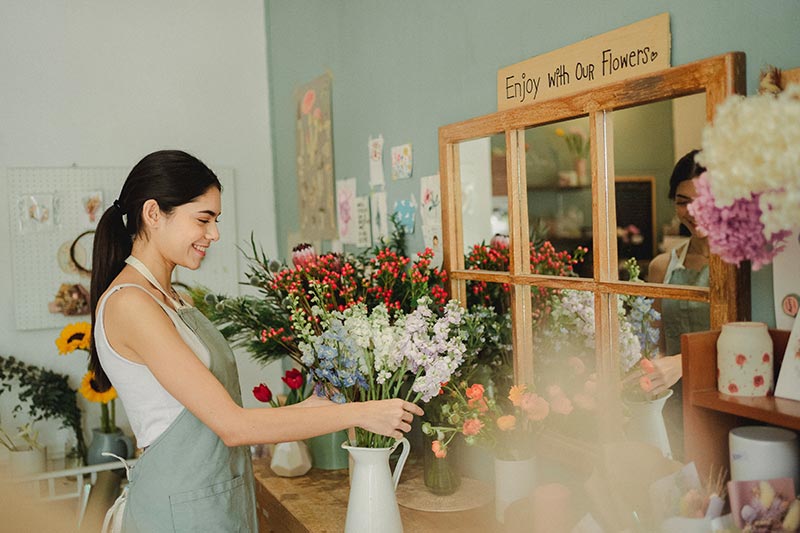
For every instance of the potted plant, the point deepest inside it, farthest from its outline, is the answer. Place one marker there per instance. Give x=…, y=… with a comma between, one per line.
x=47, y=395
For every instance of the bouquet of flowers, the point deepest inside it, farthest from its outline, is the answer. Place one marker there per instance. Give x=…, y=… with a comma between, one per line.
x=749, y=199
x=263, y=325
x=506, y=425
x=361, y=354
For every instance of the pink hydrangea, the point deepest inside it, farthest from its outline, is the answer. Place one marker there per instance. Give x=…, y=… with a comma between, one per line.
x=735, y=232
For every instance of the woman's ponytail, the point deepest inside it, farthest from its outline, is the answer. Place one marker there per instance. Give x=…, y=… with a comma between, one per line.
x=112, y=245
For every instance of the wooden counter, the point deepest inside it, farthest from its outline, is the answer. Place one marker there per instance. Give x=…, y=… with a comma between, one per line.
x=317, y=502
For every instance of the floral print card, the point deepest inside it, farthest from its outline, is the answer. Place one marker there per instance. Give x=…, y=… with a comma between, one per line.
x=402, y=162
x=346, y=210
x=406, y=212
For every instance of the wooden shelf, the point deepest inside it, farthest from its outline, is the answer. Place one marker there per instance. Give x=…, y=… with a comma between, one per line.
x=708, y=415
x=770, y=410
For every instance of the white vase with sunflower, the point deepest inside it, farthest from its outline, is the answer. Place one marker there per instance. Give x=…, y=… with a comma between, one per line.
x=108, y=437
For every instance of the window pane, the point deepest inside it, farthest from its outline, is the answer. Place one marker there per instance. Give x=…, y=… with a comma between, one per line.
x=648, y=142
x=559, y=190
x=484, y=194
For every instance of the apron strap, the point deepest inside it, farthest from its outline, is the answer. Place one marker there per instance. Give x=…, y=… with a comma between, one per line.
x=144, y=271
x=112, y=523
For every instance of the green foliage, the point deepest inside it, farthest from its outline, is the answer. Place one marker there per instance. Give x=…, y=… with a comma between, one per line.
x=46, y=393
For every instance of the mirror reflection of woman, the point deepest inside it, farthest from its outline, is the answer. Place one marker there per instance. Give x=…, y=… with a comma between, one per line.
x=686, y=264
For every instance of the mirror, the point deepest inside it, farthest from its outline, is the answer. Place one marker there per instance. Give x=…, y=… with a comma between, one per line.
x=636, y=130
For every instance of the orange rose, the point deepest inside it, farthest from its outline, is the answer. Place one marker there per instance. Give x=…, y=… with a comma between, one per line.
x=535, y=407
x=475, y=392
x=506, y=422
x=515, y=394
x=438, y=449
x=472, y=426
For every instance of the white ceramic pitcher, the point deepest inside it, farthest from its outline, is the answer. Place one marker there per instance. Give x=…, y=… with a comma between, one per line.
x=373, y=505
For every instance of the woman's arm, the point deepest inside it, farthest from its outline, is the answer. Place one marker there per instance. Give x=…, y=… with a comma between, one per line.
x=149, y=336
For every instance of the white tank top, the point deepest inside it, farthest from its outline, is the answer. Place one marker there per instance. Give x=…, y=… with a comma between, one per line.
x=150, y=408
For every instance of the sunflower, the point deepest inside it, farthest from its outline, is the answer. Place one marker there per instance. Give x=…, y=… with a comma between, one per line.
x=74, y=337
x=90, y=393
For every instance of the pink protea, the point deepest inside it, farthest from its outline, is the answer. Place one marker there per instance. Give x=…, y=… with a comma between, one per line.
x=499, y=242
x=303, y=255
x=736, y=232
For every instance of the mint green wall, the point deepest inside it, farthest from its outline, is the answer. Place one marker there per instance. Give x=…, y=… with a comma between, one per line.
x=405, y=68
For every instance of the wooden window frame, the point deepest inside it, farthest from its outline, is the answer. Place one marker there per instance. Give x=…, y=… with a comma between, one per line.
x=729, y=287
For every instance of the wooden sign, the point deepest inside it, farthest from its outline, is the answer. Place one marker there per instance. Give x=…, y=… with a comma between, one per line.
x=623, y=53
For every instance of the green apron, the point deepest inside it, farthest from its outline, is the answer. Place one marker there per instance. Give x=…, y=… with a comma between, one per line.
x=679, y=317
x=188, y=479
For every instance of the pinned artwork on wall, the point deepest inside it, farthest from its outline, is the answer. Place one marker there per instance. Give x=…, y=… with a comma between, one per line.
x=380, y=217
x=363, y=229
x=375, y=146
x=92, y=208
x=406, y=213
x=315, y=181
x=346, y=210
x=430, y=211
x=36, y=212
x=402, y=162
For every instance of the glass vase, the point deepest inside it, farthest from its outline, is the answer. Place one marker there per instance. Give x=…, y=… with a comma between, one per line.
x=440, y=473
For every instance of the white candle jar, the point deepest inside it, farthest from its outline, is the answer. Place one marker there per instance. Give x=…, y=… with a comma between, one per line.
x=745, y=359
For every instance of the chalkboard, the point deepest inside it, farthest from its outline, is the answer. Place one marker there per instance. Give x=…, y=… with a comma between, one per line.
x=635, y=203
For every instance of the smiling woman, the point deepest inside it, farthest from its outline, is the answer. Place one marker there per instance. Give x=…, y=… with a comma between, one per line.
x=173, y=370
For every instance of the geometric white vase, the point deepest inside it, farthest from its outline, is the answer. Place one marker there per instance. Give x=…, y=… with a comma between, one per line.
x=290, y=459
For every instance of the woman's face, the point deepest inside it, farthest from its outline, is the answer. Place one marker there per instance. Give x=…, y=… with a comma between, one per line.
x=190, y=229
x=685, y=195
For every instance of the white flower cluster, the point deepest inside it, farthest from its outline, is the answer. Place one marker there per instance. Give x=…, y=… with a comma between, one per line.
x=753, y=147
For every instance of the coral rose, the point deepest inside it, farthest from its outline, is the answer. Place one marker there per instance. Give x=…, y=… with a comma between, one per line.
x=515, y=394
x=438, y=449
x=506, y=422
x=535, y=407
x=472, y=426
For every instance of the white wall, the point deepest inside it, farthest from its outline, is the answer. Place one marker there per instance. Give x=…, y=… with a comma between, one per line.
x=102, y=83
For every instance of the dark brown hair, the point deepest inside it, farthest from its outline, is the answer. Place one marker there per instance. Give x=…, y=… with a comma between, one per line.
x=171, y=178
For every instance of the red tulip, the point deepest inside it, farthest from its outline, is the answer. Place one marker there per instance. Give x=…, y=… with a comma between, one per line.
x=293, y=379
x=262, y=393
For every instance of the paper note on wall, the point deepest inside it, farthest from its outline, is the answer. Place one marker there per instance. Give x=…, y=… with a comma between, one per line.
x=406, y=212
x=363, y=229
x=380, y=217
x=402, y=162
x=784, y=283
x=375, y=146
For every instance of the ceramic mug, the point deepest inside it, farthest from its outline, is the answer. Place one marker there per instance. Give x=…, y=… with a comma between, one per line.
x=764, y=452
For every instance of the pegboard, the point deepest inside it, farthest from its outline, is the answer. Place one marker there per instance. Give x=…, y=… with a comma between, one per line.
x=47, y=212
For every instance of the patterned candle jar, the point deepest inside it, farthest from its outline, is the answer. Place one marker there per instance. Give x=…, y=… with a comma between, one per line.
x=744, y=359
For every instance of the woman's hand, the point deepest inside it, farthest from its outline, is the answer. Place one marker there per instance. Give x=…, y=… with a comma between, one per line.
x=391, y=418
x=666, y=371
